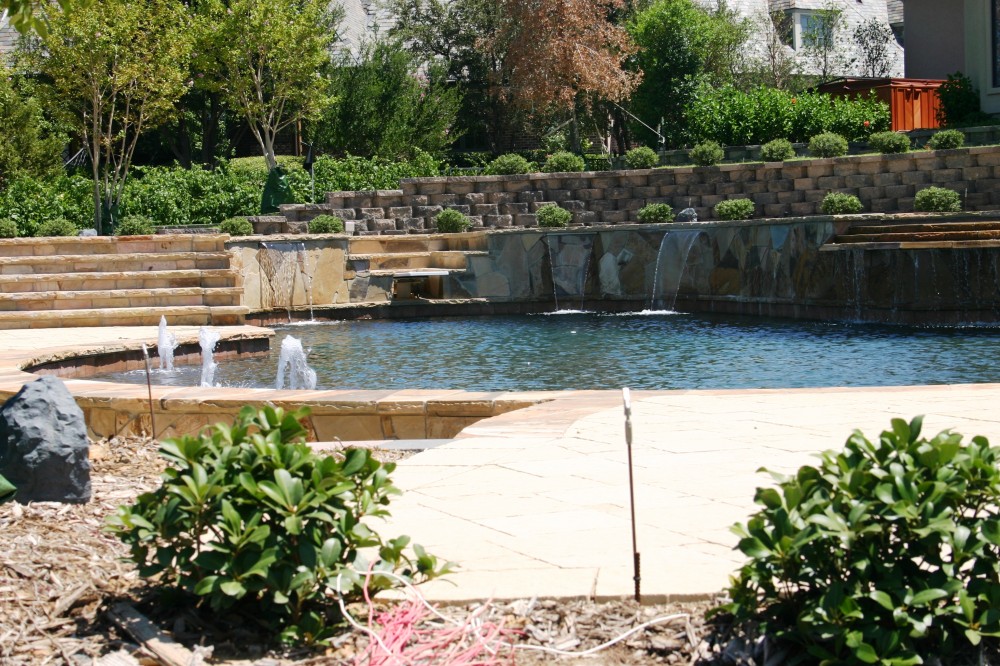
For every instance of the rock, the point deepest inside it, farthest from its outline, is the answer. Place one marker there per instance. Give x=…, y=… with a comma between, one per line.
x=88, y=232
x=43, y=444
x=687, y=215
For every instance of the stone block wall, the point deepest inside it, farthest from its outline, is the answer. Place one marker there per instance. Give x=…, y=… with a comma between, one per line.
x=884, y=183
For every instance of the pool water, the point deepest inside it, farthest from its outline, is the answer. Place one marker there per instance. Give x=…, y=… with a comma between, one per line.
x=660, y=350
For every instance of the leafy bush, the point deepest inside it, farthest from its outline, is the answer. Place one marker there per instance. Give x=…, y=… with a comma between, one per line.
x=655, y=213
x=326, y=224
x=451, y=221
x=58, y=226
x=642, y=157
x=508, y=165
x=8, y=228
x=777, y=150
x=135, y=225
x=31, y=201
x=884, y=553
x=839, y=203
x=938, y=200
x=734, y=209
x=946, y=140
x=828, y=144
x=563, y=161
x=889, y=142
x=551, y=215
x=707, y=153
x=248, y=515
x=236, y=226
x=959, y=100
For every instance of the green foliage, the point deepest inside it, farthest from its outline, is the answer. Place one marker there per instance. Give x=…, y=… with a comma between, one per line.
x=655, y=213
x=248, y=515
x=946, y=140
x=777, y=150
x=734, y=209
x=508, y=165
x=175, y=196
x=889, y=142
x=8, y=228
x=326, y=224
x=840, y=203
x=551, y=215
x=959, y=100
x=827, y=144
x=938, y=200
x=135, y=225
x=29, y=144
x=57, y=226
x=642, y=157
x=236, y=226
x=886, y=552
x=30, y=202
x=451, y=221
x=707, y=153
x=563, y=161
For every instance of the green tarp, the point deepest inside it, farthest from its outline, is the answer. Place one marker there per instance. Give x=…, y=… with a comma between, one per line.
x=277, y=191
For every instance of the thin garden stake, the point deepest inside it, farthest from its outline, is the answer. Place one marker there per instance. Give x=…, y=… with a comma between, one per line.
x=631, y=492
x=149, y=392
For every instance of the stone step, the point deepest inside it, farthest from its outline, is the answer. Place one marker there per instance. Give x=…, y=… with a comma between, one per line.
x=196, y=315
x=370, y=245
x=120, y=298
x=922, y=245
x=931, y=226
x=410, y=260
x=86, y=245
x=918, y=236
x=138, y=261
x=212, y=278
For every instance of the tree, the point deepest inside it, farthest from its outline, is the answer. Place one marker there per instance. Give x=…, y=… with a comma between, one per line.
x=874, y=40
x=116, y=68
x=29, y=144
x=31, y=16
x=774, y=65
x=272, y=62
x=824, y=44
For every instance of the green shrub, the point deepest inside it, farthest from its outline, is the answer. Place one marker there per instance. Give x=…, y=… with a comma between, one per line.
x=778, y=150
x=563, y=161
x=946, y=140
x=707, y=153
x=31, y=201
x=248, y=515
x=236, y=226
x=508, y=165
x=58, y=226
x=655, y=213
x=959, y=100
x=734, y=209
x=326, y=224
x=135, y=225
x=8, y=228
x=642, y=157
x=840, y=203
x=551, y=215
x=450, y=221
x=938, y=200
x=889, y=142
x=828, y=144
x=886, y=552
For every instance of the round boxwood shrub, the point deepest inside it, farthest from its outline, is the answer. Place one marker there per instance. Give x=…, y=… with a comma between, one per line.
x=734, y=209
x=508, y=165
x=236, y=226
x=563, y=161
x=8, y=228
x=655, y=213
x=778, y=150
x=937, y=200
x=642, y=157
x=326, y=224
x=551, y=215
x=135, y=225
x=828, y=144
x=450, y=221
x=57, y=226
x=707, y=153
x=889, y=142
x=839, y=203
x=946, y=140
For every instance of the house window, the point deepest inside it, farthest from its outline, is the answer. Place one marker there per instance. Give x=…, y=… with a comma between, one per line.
x=810, y=29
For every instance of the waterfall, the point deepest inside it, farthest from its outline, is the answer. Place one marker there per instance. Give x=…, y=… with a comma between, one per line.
x=292, y=361
x=281, y=265
x=207, y=338
x=569, y=262
x=671, y=264
x=166, y=343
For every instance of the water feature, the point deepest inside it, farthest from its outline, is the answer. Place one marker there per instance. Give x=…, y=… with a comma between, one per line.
x=569, y=262
x=282, y=265
x=166, y=343
x=292, y=362
x=671, y=263
x=643, y=351
x=208, y=338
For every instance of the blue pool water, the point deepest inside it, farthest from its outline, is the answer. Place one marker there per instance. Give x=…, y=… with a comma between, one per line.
x=608, y=351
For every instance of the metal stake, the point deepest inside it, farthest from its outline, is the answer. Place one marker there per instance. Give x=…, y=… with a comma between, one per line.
x=149, y=392
x=631, y=493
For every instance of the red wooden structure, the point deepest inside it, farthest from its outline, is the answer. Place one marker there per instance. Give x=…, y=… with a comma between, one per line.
x=913, y=103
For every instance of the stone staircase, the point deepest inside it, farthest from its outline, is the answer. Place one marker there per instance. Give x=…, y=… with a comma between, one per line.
x=118, y=281
x=904, y=235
